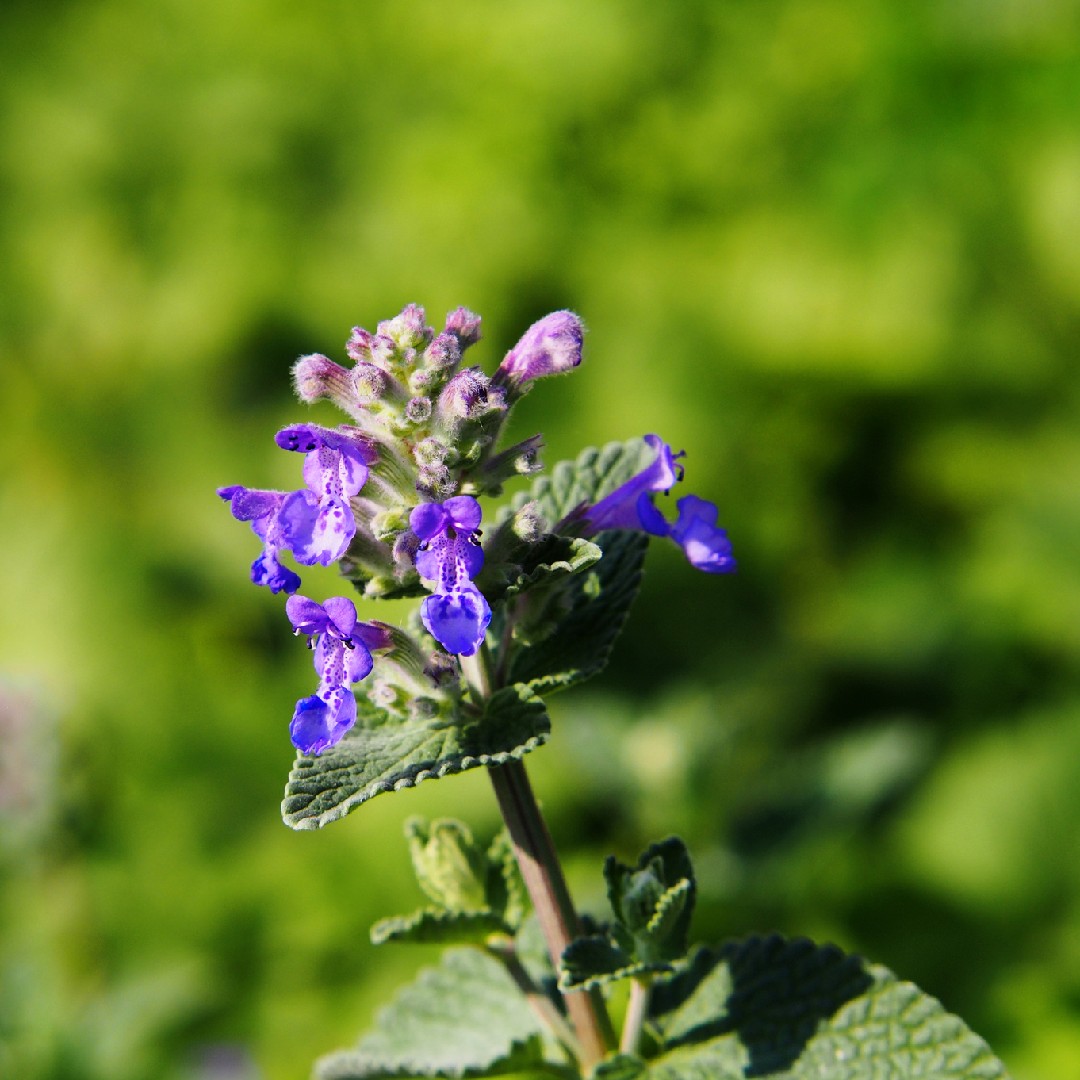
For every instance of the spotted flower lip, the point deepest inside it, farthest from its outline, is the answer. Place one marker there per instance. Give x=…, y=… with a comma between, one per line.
x=342, y=648
x=449, y=554
x=631, y=506
x=317, y=522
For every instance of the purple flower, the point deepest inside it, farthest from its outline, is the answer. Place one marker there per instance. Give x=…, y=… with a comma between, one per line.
x=631, y=506
x=317, y=522
x=550, y=346
x=342, y=657
x=262, y=509
x=456, y=614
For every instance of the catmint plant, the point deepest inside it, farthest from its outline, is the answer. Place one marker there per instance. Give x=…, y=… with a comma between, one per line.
x=518, y=596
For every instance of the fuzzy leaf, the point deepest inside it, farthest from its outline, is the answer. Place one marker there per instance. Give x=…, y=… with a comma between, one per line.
x=506, y=890
x=564, y=631
x=463, y=1018
x=437, y=926
x=554, y=557
x=599, y=961
x=593, y=474
x=383, y=754
x=654, y=900
x=586, y=616
x=792, y=1010
x=620, y=1067
x=448, y=864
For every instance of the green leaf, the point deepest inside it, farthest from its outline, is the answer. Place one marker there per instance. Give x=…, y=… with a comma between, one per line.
x=463, y=1018
x=505, y=887
x=619, y=1067
x=449, y=865
x=565, y=629
x=437, y=926
x=600, y=961
x=593, y=474
x=383, y=754
x=654, y=900
x=477, y=893
x=553, y=558
x=792, y=1010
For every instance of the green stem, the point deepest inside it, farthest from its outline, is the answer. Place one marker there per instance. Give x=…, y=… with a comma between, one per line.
x=539, y=1002
x=543, y=877
x=542, y=872
x=636, y=1011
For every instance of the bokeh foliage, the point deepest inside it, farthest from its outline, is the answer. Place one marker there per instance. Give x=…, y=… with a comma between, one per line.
x=830, y=248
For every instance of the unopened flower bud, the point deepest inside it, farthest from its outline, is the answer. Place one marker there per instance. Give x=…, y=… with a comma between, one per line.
x=429, y=451
x=521, y=459
x=317, y=376
x=444, y=352
x=464, y=325
x=409, y=330
x=418, y=410
x=441, y=669
x=358, y=346
x=369, y=383
x=550, y=346
x=435, y=482
x=528, y=523
x=420, y=381
x=366, y=347
x=469, y=395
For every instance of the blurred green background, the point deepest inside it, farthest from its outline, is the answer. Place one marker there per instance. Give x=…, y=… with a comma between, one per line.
x=829, y=247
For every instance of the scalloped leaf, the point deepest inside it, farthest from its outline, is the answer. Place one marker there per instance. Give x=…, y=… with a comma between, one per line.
x=594, y=473
x=383, y=754
x=594, y=961
x=591, y=609
x=565, y=634
x=449, y=865
x=791, y=1010
x=506, y=889
x=462, y=1018
x=437, y=926
x=654, y=899
x=555, y=557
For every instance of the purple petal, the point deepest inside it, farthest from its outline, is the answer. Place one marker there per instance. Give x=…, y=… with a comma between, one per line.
x=307, y=616
x=464, y=512
x=706, y=546
x=619, y=510
x=357, y=662
x=550, y=346
x=317, y=531
x=428, y=520
x=300, y=438
x=457, y=620
x=318, y=723
x=342, y=613
x=267, y=570
x=249, y=504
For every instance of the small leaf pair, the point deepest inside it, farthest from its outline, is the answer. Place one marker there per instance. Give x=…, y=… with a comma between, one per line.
x=475, y=892
x=652, y=904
